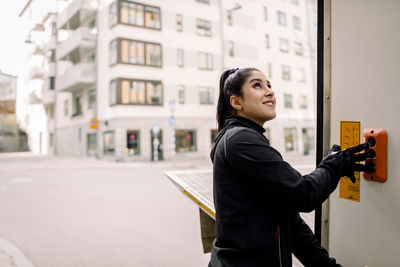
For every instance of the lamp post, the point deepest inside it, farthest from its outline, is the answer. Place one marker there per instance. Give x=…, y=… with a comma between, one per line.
x=222, y=16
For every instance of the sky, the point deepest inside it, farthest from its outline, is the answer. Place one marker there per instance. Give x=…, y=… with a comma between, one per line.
x=12, y=36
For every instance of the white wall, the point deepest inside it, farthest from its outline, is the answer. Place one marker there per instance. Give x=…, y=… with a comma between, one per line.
x=365, y=87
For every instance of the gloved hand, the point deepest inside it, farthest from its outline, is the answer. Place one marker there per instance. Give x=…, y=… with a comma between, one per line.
x=344, y=162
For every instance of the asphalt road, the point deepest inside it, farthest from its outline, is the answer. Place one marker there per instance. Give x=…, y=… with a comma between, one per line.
x=64, y=212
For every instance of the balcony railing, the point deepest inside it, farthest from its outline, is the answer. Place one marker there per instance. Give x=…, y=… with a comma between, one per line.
x=84, y=7
x=81, y=37
x=77, y=77
x=36, y=73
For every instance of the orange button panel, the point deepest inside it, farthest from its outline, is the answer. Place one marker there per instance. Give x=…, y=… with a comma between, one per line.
x=380, y=148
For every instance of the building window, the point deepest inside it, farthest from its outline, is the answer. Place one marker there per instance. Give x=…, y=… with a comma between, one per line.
x=112, y=13
x=308, y=140
x=284, y=45
x=139, y=92
x=269, y=70
x=265, y=13
x=113, y=92
x=133, y=142
x=180, y=58
x=203, y=27
x=290, y=136
x=91, y=99
x=213, y=134
x=294, y=2
x=91, y=144
x=185, y=140
x=296, y=23
x=52, y=82
x=113, y=52
x=53, y=29
x=66, y=107
x=229, y=17
x=267, y=45
x=52, y=55
x=140, y=53
x=51, y=139
x=109, y=143
x=285, y=72
x=139, y=15
x=203, y=1
x=181, y=94
x=206, y=95
x=205, y=61
x=288, y=100
x=179, y=26
x=80, y=135
x=301, y=75
x=76, y=105
x=303, y=102
x=281, y=18
x=298, y=48
x=231, y=49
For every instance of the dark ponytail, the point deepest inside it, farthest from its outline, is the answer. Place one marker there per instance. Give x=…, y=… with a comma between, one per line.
x=230, y=83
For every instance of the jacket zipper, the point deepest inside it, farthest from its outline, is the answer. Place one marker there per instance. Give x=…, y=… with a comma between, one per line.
x=279, y=248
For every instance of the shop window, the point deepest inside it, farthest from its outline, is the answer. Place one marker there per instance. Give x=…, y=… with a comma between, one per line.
x=133, y=142
x=185, y=140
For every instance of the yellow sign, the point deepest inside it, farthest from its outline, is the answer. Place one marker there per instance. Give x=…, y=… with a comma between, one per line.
x=349, y=137
x=94, y=123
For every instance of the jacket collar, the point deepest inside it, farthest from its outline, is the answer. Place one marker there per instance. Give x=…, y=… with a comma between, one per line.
x=238, y=120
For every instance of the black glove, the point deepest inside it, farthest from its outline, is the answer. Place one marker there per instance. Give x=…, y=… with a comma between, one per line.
x=343, y=163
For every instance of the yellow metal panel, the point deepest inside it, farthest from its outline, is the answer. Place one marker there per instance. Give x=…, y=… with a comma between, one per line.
x=349, y=137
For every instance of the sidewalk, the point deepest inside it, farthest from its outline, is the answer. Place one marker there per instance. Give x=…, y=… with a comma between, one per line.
x=11, y=256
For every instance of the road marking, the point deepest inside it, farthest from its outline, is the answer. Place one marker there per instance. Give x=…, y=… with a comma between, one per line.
x=17, y=256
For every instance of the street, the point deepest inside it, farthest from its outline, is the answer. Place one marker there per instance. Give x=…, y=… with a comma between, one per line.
x=84, y=212
x=65, y=211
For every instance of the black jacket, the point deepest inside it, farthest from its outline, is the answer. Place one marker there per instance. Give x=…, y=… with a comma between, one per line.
x=258, y=197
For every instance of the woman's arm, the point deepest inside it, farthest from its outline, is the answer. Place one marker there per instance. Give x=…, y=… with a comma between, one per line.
x=307, y=248
x=273, y=179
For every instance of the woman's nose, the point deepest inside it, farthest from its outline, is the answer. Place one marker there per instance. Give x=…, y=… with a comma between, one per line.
x=269, y=92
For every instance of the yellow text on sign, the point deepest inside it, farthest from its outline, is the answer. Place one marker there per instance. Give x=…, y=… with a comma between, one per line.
x=349, y=137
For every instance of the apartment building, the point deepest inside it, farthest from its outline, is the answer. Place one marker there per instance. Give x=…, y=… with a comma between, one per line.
x=138, y=80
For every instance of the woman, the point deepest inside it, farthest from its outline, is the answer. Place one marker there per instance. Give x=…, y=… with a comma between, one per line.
x=257, y=195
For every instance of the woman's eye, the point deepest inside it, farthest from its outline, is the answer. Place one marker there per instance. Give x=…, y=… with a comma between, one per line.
x=257, y=85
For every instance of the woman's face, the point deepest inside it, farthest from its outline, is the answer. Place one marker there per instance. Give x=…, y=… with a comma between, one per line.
x=258, y=100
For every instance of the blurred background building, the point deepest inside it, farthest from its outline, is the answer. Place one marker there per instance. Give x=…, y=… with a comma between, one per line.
x=12, y=139
x=139, y=80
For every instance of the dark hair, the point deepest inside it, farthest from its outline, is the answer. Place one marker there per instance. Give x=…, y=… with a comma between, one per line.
x=230, y=83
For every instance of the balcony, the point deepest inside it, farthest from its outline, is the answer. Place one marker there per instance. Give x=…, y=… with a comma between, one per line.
x=34, y=98
x=36, y=73
x=85, y=8
x=38, y=50
x=76, y=77
x=49, y=97
x=80, y=38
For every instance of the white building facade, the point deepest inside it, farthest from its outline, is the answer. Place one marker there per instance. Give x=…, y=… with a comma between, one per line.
x=139, y=80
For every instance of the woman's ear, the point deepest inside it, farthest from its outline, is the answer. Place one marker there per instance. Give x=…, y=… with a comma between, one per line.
x=236, y=102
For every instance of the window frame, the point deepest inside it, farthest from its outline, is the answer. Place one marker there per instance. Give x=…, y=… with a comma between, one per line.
x=138, y=142
x=282, y=22
x=119, y=21
x=145, y=51
x=200, y=28
x=210, y=93
x=193, y=144
x=208, y=57
x=118, y=89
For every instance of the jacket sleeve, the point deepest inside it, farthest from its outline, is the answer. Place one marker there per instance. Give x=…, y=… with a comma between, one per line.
x=271, y=178
x=306, y=247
